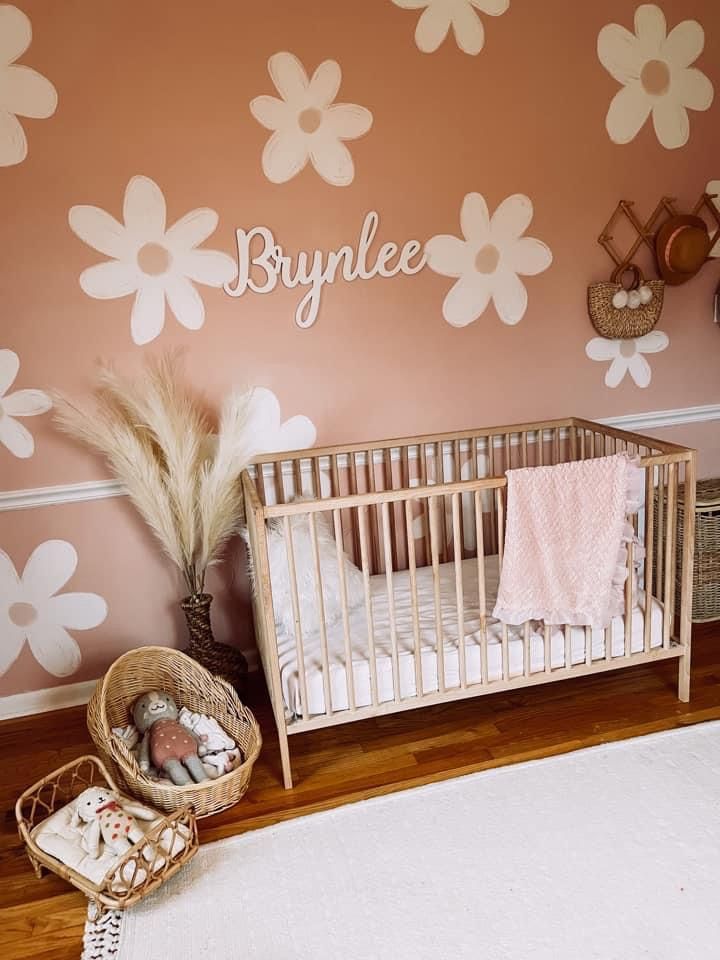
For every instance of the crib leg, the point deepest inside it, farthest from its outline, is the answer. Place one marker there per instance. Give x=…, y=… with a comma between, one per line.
x=684, y=677
x=285, y=756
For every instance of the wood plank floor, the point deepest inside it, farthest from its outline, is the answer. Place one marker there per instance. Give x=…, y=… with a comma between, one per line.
x=43, y=919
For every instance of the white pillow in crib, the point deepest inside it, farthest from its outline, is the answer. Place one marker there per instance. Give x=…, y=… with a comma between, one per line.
x=305, y=574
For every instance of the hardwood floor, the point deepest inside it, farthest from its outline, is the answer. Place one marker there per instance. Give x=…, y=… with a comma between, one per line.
x=43, y=919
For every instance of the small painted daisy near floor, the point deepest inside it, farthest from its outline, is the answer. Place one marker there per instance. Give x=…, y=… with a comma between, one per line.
x=156, y=263
x=657, y=76
x=489, y=261
x=21, y=403
x=626, y=356
x=32, y=610
x=307, y=124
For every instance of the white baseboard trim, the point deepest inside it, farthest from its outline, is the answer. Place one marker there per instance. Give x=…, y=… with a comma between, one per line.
x=658, y=419
x=101, y=489
x=67, y=695
x=42, y=701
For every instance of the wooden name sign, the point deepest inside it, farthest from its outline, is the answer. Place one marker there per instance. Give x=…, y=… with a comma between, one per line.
x=315, y=270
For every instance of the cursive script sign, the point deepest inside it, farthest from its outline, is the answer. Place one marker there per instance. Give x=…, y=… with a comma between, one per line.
x=316, y=269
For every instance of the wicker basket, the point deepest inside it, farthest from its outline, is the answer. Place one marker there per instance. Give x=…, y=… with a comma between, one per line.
x=56, y=790
x=162, y=668
x=706, y=564
x=622, y=323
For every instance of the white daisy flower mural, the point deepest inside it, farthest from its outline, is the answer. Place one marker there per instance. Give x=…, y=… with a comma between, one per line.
x=468, y=509
x=23, y=91
x=462, y=15
x=271, y=434
x=32, y=610
x=626, y=356
x=158, y=264
x=21, y=403
x=489, y=261
x=306, y=122
x=713, y=188
x=657, y=76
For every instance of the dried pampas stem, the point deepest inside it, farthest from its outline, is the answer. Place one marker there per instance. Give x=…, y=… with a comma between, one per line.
x=156, y=440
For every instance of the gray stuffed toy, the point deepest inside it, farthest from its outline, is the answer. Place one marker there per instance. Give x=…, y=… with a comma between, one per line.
x=166, y=742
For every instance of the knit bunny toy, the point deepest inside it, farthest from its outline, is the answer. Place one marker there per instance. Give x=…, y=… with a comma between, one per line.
x=109, y=817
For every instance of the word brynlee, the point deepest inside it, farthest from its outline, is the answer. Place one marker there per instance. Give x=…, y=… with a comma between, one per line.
x=314, y=272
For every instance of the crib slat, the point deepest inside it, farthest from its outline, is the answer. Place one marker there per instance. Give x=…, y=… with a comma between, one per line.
x=500, y=499
x=649, y=548
x=299, y=650
x=588, y=645
x=297, y=477
x=439, y=637
x=482, y=601
x=385, y=512
x=365, y=564
x=388, y=484
x=527, y=650
x=339, y=549
x=321, y=615
x=568, y=646
x=608, y=643
x=629, y=599
x=354, y=515
x=372, y=487
x=279, y=491
x=547, y=648
x=540, y=441
x=659, y=559
x=669, y=578
x=524, y=448
x=491, y=471
x=442, y=517
x=316, y=478
x=414, y=598
x=508, y=452
x=424, y=503
x=459, y=595
x=556, y=444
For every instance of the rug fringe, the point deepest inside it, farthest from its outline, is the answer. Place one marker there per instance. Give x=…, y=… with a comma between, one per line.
x=101, y=939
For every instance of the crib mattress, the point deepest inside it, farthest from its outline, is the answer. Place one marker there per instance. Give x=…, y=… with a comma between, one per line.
x=359, y=644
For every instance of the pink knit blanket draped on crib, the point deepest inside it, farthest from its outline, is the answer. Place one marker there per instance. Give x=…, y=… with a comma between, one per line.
x=566, y=538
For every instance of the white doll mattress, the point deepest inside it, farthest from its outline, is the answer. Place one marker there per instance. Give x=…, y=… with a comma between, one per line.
x=57, y=837
x=428, y=642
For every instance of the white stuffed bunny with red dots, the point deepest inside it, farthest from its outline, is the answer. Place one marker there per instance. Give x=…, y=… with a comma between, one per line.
x=109, y=817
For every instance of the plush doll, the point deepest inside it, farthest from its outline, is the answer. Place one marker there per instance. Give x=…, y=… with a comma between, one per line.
x=109, y=817
x=170, y=747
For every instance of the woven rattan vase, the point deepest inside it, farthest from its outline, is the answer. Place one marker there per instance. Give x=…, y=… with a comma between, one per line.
x=219, y=658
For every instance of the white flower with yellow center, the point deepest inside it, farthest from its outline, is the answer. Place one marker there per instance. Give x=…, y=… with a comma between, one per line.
x=23, y=91
x=489, y=261
x=154, y=263
x=307, y=124
x=20, y=403
x=654, y=67
x=626, y=356
x=32, y=610
x=439, y=15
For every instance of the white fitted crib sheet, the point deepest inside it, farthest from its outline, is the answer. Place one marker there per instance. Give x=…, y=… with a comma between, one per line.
x=359, y=643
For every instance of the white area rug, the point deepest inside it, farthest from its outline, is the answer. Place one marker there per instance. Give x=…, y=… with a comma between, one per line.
x=610, y=853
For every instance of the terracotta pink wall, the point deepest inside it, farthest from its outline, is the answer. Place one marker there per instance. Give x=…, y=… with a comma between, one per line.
x=162, y=90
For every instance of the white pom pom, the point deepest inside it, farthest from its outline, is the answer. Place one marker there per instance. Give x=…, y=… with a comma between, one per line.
x=634, y=299
x=620, y=299
x=645, y=294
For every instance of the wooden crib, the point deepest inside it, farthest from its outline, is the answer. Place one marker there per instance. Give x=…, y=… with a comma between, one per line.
x=423, y=520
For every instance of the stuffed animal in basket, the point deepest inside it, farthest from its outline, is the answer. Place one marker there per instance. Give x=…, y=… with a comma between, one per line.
x=109, y=817
x=166, y=742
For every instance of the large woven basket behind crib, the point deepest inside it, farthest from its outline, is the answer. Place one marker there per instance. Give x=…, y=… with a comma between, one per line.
x=161, y=668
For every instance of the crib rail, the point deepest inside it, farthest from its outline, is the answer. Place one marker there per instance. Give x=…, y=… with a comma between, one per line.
x=423, y=520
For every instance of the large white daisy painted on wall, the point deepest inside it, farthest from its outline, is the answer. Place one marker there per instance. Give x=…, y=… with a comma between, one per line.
x=489, y=261
x=158, y=264
x=627, y=356
x=654, y=68
x=306, y=122
x=20, y=403
x=269, y=433
x=32, y=610
x=462, y=15
x=23, y=91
